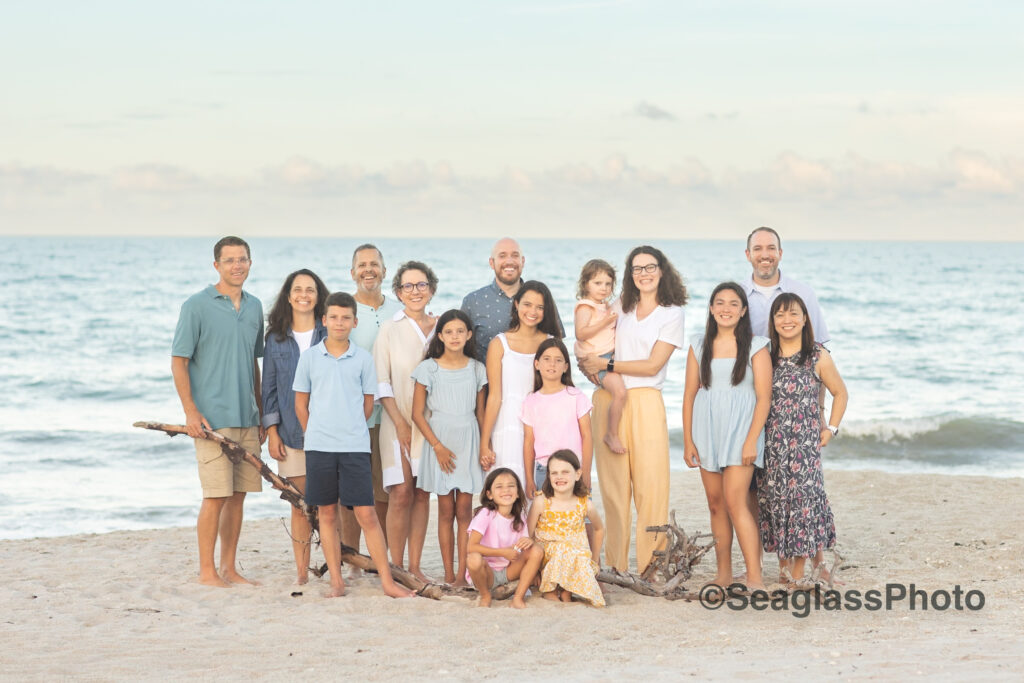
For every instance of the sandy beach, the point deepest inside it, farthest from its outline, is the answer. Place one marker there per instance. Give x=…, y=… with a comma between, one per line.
x=124, y=605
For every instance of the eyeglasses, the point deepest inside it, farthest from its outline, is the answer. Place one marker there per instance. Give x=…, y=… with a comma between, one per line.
x=418, y=286
x=232, y=261
x=649, y=268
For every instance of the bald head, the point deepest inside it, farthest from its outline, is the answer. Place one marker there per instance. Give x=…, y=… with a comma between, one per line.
x=507, y=261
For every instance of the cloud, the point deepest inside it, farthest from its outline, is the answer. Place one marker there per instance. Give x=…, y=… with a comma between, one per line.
x=963, y=187
x=653, y=112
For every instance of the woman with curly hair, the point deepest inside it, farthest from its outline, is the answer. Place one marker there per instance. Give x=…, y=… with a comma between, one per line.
x=650, y=327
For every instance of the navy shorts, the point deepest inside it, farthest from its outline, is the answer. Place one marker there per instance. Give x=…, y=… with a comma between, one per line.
x=345, y=478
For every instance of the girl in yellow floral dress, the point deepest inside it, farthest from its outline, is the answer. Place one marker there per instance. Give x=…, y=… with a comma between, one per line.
x=557, y=523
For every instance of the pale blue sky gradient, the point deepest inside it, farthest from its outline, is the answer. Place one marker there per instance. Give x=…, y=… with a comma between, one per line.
x=874, y=120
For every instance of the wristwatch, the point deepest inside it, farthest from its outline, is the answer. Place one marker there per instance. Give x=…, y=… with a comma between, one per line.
x=834, y=430
x=611, y=365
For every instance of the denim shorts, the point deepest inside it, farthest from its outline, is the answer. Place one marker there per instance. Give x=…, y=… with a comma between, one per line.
x=600, y=375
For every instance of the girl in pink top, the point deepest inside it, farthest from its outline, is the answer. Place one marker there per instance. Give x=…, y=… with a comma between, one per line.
x=555, y=416
x=498, y=537
x=595, y=335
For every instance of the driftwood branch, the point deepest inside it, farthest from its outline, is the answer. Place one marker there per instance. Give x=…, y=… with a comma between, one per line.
x=673, y=564
x=236, y=453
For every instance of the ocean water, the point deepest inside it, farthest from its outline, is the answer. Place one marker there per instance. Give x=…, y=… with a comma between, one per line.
x=926, y=335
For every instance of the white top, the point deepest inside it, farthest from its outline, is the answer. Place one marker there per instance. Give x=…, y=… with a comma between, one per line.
x=384, y=388
x=635, y=339
x=303, y=339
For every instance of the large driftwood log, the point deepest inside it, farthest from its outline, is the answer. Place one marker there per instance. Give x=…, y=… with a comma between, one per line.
x=236, y=453
x=673, y=564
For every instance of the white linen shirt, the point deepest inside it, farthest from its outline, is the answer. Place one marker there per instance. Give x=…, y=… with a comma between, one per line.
x=635, y=339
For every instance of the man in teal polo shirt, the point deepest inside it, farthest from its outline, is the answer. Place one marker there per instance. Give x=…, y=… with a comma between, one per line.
x=214, y=355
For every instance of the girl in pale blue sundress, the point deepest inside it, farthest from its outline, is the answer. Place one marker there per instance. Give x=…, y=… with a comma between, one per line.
x=447, y=408
x=725, y=405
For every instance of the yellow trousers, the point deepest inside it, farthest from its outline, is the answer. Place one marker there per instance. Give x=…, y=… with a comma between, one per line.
x=641, y=474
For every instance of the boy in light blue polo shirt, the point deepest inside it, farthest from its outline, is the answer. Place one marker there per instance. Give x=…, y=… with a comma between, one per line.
x=334, y=386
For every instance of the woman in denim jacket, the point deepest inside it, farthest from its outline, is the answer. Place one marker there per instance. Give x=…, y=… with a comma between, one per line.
x=293, y=325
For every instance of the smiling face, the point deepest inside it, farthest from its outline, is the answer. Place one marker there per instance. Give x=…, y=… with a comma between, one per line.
x=504, y=490
x=233, y=265
x=530, y=309
x=415, y=291
x=303, y=295
x=764, y=254
x=646, y=282
x=789, y=322
x=507, y=261
x=727, y=309
x=562, y=476
x=599, y=287
x=368, y=271
x=339, y=321
x=551, y=364
x=455, y=335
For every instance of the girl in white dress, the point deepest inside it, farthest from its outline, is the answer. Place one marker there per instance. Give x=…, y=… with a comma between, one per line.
x=510, y=375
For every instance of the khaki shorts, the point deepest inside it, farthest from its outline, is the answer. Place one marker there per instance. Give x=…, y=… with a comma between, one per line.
x=219, y=477
x=380, y=495
x=294, y=464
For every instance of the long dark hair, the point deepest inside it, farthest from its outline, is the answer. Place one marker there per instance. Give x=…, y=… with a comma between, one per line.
x=743, y=333
x=786, y=301
x=565, y=455
x=550, y=343
x=436, y=347
x=279, y=320
x=671, y=290
x=549, y=323
x=517, y=507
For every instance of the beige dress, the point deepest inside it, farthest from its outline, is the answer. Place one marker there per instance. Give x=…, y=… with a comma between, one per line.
x=399, y=348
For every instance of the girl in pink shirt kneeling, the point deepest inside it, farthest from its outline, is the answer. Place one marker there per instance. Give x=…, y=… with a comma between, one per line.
x=499, y=540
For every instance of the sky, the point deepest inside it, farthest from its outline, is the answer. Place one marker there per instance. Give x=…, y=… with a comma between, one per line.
x=672, y=119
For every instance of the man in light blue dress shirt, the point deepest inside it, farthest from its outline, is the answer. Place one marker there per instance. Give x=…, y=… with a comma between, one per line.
x=766, y=282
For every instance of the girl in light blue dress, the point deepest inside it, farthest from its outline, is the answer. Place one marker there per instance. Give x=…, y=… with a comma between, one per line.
x=725, y=405
x=448, y=409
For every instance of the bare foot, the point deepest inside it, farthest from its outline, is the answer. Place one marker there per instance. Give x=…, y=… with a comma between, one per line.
x=518, y=602
x=214, y=581
x=550, y=595
x=336, y=591
x=421, y=576
x=234, y=577
x=460, y=582
x=565, y=596
x=613, y=443
x=354, y=573
x=485, y=600
x=302, y=580
x=393, y=590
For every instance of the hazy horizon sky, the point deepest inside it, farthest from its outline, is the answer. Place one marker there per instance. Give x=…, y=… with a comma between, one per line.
x=653, y=118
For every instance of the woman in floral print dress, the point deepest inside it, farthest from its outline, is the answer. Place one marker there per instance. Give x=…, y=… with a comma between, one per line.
x=795, y=518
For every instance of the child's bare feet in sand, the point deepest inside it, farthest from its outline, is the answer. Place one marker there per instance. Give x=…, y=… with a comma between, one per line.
x=337, y=590
x=460, y=582
x=518, y=602
x=613, y=443
x=234, y=577
x=565, y=596
x=485, y=600
x=393, y=590
x=550, y=595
